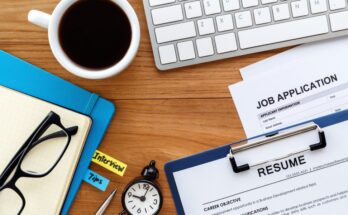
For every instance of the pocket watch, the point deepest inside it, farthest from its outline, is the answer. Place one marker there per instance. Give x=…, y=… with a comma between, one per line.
x=143, y=195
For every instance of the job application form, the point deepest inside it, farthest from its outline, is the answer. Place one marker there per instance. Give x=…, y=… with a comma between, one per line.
x=309, y=183
x=277, y=100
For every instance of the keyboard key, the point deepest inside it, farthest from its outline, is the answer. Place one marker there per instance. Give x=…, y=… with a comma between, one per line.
x=299, y=8
x=224, y=23
x=175, y=32
x=186, y=50
x=230, y=5
x=193, y=9
x=262, y=15
x=289, y=31
x=337, y=4
x=206, y=26
x=211, y=6
x=167, y=14
x=268, y=1
x=318, y=6
x=250, y=3
x=160, y=2
x=167, y=54
x=205, y=47
x=243, y=19
x=225, y=43
x=281, y=12
x=339, y=21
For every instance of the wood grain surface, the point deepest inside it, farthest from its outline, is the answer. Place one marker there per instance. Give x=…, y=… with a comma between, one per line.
x=160, y=115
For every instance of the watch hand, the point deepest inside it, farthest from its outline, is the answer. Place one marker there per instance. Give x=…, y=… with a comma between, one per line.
x=146, y=192
x=138, y=197
x=141, y=198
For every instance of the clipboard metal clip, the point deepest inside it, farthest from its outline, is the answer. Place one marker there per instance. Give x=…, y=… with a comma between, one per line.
x=273, y=138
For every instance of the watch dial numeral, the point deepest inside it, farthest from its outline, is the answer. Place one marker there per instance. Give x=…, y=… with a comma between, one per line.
x=133, y=207
x=139, y=210
x=146, y=186
x=155, y=201
x=130, y=194
x=151, y=207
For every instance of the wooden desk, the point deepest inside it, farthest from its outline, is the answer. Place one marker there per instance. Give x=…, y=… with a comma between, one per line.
x=160, y=115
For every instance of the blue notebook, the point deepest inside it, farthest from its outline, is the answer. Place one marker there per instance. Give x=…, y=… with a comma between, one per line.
x=23, y=77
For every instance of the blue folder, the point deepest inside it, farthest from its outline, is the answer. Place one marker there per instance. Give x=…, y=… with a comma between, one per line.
x=28, y=79
x=221, y=152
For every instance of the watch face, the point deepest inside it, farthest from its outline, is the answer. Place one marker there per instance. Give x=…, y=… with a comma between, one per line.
x=142, y=197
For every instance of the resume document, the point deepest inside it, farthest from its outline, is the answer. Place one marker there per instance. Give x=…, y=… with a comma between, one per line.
x=309, y=183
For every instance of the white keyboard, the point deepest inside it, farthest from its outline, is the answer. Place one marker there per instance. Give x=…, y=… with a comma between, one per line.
x=188, y=32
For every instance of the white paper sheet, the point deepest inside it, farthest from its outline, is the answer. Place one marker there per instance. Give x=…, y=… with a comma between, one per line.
x=317, y=186
x=323, y=52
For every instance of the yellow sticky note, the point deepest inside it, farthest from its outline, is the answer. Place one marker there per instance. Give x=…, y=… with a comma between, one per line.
x=109, y=163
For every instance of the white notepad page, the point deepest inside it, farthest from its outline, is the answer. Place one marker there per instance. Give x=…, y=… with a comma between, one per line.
x=20, y=115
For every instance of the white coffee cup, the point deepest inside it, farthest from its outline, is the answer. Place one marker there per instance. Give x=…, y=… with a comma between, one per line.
x=51, y=22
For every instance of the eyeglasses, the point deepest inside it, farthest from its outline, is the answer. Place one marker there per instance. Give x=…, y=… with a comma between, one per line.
x=37, y=158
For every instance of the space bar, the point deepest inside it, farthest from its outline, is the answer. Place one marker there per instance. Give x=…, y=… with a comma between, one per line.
x=283, y=32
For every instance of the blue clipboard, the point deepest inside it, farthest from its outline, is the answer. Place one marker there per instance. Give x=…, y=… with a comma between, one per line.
x=28, y=79
x=221, y=152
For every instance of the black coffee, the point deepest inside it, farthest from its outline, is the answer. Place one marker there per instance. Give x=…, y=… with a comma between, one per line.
x=95, y=34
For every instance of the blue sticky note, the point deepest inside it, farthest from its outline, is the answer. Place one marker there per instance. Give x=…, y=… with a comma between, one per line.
x=96, y=180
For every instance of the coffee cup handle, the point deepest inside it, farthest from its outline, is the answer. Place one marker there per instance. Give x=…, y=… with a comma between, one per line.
x=39, y=18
